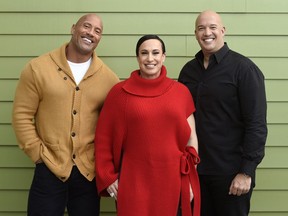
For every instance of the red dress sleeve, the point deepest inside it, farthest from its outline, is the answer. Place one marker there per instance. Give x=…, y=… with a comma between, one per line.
x=109, y=135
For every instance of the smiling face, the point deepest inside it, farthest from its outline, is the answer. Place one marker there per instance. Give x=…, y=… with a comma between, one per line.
x=209, y=32
x=150, y=58
x=86, y=34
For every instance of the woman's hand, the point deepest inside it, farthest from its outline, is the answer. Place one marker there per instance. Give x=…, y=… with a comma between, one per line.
x=113, y=189
x=191, y=193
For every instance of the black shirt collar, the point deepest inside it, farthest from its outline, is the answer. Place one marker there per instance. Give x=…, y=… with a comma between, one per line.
x=218, y=56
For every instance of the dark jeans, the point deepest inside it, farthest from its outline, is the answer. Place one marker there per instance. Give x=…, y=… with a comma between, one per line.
x=49, y=196
x=215, y=200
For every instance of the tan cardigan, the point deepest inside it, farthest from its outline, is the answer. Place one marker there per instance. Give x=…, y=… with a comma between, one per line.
x=53, y=118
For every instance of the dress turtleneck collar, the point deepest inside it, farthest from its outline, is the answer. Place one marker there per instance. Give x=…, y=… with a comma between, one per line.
x=148, y=87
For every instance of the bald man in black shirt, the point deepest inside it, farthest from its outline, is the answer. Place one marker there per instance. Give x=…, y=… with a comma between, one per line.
x=229, y=95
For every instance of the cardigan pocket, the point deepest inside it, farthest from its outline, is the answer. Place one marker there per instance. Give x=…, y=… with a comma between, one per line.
x=51, y=151
x=89, y=150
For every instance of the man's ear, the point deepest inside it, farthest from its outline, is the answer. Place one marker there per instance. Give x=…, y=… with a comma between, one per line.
x=73, y=29
x=224, y=30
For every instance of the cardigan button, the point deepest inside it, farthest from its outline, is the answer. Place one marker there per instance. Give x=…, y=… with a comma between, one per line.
x=77, y=88
x=73, y=134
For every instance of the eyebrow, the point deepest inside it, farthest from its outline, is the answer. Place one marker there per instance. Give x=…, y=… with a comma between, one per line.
x=198, y=26
x=88, y=23
x=152, y=49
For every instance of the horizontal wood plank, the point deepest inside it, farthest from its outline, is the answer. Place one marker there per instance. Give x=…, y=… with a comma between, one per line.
x=7, y=135
x=13, y=157
x=123, y=6
x=261, y=201
x=267, y=6
x=250, y=46
x=16, y=178
x=266, y=179
x=275, y=157
x=277, y=111
x=14, y=201
x=276, y=90
x=11, y=67
x=271, y=179
x=124, y=45
x=269, y=201
x=5, y=112
x=270, y=213
x=163, y=23
x=277, y=135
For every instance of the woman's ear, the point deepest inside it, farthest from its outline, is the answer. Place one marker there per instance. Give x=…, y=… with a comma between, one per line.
x=164, y=57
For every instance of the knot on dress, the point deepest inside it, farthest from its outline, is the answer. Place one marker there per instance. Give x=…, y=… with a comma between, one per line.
x=189, y=160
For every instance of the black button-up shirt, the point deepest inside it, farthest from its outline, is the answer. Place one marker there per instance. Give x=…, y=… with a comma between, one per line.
x=230, y=113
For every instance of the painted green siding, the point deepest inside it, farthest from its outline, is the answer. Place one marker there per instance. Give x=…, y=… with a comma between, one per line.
x=255, y=28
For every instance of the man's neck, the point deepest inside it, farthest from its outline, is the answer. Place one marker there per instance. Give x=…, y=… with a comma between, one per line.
x=76, y=57
x=206, y=61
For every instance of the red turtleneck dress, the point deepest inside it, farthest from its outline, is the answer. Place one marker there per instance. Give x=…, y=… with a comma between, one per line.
x=141, y=138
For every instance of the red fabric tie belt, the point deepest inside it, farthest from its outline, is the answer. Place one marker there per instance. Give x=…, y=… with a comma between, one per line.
x=189, y=176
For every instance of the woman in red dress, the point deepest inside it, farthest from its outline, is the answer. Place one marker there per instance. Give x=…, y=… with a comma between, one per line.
x=145, y=142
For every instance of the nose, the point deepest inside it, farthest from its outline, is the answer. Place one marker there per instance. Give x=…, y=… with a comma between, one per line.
x=150, y=57
x=90, y=32
x=207, y=31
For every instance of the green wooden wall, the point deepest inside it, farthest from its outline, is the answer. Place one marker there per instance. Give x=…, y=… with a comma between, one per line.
x=256, y=28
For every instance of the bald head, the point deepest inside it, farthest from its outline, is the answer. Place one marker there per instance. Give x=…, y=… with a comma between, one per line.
x=90, y=16
x=86, y=34
x=211, y=15
x=209, y=32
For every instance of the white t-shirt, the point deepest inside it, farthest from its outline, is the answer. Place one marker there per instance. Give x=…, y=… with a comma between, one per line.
x=79, y=69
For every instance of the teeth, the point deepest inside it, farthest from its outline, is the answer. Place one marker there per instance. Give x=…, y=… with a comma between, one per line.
x=150, y=65
x=208, y=40
x=86, y=39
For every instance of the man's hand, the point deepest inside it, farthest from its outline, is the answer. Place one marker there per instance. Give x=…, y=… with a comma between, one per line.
x=240, y=185
x=39, y=161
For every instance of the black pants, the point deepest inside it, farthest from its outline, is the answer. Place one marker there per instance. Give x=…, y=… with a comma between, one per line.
x=215, y=198
x=49, y=196
x=179, y=213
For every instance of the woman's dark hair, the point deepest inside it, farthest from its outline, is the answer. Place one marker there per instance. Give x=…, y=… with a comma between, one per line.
x=149, y=37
